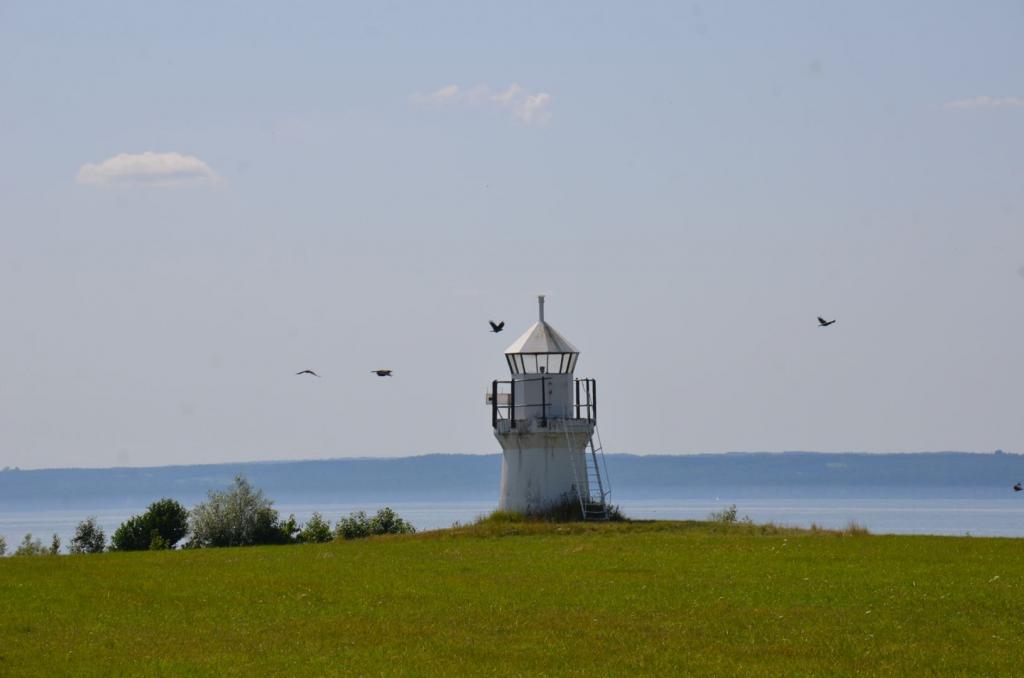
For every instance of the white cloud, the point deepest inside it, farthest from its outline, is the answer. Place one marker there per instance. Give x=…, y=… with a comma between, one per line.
x=533, y=110
x=986, y=102
x=439, y=96
x=529, y=108
x=509, y=96
x=160, y=170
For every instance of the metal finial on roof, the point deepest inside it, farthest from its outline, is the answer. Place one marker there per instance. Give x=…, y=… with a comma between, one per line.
x=541, y=337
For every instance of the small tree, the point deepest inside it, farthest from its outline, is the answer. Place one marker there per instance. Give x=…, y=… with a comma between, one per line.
x=169, y=519
x=388, y=522
x=166, y=518
x=355, y=526
x=238, y=516
x=31, y=547
x=315, y=531
x=89, y=537
x=3, y=546
x=54, y=545
x=131, y=535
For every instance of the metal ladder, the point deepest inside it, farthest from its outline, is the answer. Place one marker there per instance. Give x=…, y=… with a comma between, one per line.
x=593, y=504
x=597, y=476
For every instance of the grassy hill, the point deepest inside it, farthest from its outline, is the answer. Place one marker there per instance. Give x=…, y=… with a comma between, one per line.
x=525, y=598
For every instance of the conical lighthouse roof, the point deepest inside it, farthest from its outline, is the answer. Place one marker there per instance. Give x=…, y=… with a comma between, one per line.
x=541, y=338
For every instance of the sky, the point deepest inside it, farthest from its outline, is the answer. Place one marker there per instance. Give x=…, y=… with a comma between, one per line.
x=198, y=200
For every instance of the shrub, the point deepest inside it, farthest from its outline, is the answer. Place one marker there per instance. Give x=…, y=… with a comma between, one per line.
x=89, y=537
x=169, y=519
x=166, y=519
x=357, y=525
x=131, y=535
x=3, y=546
x=31, y=547
x=727, y=516
x=615, y=514
x=238, y=516
x=315, y=531
x=276, y=532
x=54, y=545
x=388, y=522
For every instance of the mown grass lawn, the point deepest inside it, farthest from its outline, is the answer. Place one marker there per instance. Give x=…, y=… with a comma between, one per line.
x=652, y=598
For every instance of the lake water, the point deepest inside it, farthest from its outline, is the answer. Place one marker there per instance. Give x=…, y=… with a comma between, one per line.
x=943, y=511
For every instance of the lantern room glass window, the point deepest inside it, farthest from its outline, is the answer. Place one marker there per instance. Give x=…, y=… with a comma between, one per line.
x=541, y=363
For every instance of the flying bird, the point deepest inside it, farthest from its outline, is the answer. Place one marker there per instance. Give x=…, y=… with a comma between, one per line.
x=307, y=372
x=382, y=373
x=1018, y=487
x=497, y=327
x=824, y=323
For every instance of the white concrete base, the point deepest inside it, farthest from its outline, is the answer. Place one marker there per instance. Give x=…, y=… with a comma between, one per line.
x=541, y=467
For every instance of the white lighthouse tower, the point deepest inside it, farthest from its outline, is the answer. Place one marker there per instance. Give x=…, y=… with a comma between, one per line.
x=546, y=421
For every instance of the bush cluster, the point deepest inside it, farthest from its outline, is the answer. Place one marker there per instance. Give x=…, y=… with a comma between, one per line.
x=243, y=516
x=357, y=525
x=34, y=547
x=238, y=516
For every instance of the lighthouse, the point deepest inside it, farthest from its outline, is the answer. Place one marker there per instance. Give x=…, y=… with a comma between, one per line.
x=546, y=421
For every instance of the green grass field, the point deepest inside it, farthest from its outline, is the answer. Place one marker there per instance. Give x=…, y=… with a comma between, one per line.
x=515, y=599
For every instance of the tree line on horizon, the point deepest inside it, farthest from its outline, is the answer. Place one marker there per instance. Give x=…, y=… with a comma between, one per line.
x=238, y=516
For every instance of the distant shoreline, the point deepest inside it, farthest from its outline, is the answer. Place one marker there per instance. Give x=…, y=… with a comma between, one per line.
x=640, y=455
x=439, y=477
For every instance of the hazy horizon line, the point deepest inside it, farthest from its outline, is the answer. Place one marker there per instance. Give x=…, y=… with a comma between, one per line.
x=11, y=469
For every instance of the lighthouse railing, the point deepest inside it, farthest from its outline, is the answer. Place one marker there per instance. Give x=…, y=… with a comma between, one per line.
x=505, y=403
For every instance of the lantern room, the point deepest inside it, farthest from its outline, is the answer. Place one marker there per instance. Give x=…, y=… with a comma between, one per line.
x=541, y=350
